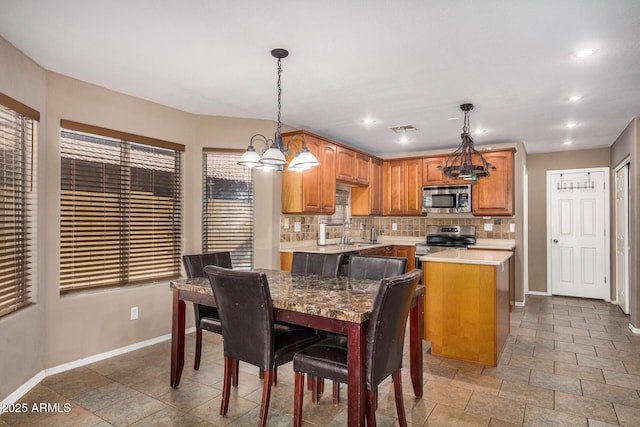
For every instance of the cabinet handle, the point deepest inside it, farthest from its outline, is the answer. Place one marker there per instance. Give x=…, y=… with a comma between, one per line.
x=555, y=240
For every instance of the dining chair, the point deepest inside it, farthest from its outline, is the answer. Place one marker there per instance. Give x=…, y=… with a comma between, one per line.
x=362, y=267
x=207, y=318
x=327, y=265
x=248, y=332
x=383, y=355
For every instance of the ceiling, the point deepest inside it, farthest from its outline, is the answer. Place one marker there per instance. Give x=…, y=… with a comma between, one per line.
x=398, y=62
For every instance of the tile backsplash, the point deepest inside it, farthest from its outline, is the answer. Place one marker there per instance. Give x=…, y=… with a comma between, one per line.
x=359, y=227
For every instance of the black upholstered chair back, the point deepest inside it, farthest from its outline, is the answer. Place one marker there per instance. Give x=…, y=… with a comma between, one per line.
x=246, y=313
x=326, y=265
x=386, y=328
x=376, y=267
x=194, y=264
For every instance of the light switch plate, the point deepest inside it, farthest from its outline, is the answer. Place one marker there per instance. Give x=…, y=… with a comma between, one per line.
x=488, y=226
x=286, y=223
x=297, y=227
x=512, y=228
x=394, y=226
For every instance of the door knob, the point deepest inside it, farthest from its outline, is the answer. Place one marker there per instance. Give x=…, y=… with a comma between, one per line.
x=555, y=240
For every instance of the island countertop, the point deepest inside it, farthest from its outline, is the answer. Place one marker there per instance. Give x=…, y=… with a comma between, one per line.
x=484, y=257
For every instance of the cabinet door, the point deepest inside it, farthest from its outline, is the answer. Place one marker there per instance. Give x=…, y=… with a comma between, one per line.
x=393, y=175
x=328, y=179
x=432, y=170
x=312, y=179
x=345, y=164
x=408, y=252
x=375, y=187
x=362, y=169
x=493, y=195
x=412, y=186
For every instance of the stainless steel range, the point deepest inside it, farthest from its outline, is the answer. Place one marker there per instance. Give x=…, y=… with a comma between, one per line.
x=444, y=237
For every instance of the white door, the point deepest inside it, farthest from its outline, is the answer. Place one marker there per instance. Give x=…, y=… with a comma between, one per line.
x=622, y=237
x=577, y=222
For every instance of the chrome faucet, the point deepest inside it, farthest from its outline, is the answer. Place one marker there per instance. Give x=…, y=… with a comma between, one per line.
x=344, y=239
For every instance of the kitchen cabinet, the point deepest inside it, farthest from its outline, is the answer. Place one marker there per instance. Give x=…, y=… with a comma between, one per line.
x=467, y=316
x=368, y=200
x=352, y=167
x=512, y=274
x=381, y=251
x=493, y=195
x=312, y=191
x=408, y=252
x=285, y=261
x=432, y=172
x=402, y=182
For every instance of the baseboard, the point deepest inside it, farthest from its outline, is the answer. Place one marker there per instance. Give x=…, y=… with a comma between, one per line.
x=24, y=388
x=519, y=304
x=544, y=294
x=636, y=331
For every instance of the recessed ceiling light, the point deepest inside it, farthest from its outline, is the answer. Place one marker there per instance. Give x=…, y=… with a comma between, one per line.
x=453, y=119
x=571, y=125
x=368, y=121
x=568, y=142
x=404, y=139
x=478, y=131
x=585, y=53
x=575, y=98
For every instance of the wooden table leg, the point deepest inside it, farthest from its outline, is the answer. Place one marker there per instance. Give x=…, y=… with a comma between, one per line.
x=416, y=332
x=355, y=367
x=177, y=338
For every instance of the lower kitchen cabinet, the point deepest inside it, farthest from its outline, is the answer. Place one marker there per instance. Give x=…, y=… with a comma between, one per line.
x=381, y=251
x=408, y=252
x=467, y=310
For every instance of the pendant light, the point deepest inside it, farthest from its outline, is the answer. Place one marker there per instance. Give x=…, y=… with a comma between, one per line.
x=466, y=162
x=273, y=156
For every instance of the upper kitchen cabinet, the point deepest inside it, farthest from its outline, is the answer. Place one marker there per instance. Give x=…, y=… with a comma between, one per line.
x=432, y=171
x=493, y=195
x=312, y=191
x=368, y=200
x=352, y=167
x=402, y=182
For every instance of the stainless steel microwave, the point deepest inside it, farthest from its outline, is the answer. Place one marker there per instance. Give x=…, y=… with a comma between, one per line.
x=446, y=199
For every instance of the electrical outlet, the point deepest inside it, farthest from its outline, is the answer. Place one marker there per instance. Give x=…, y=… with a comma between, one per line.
x=488, y=226
x=512, y=228
x=394, y=226
x=362, y=226
x=297, y=226
x=134, y=313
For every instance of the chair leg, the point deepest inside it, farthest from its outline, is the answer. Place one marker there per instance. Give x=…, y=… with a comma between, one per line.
x=309, y=382
x=236, y=371
x=370, y=411
x=298, y=397
x=275, y=377
x=315, y=390
x=336, y=392
x=397, y=387
x=196, y=362
x=266, y=396
x=226, y=385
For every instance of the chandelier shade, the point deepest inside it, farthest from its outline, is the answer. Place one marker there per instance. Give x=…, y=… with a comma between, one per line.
x=466, y=162
x=273, y=157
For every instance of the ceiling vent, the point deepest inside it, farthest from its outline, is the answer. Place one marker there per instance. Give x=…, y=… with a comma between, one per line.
x=403, y=128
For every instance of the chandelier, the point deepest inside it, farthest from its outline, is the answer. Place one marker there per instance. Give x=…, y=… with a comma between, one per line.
x=466, y=162
x=273, y=156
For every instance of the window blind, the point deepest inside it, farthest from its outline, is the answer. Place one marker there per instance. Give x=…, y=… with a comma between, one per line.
x=120, y=209
x=17, y=204
x=228, y=207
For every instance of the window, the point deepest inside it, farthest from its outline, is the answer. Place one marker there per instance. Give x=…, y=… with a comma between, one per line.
x=17, y=204
x=120, y=213
x=228, y=207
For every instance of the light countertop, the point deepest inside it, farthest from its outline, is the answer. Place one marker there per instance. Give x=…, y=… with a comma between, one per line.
x=484, y=257
x=495, y=244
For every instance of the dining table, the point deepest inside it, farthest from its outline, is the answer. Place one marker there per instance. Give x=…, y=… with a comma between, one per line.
x=335, y=304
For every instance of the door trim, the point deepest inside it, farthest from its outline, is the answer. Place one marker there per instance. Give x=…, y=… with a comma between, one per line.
x=607, y=225
x=626, y=162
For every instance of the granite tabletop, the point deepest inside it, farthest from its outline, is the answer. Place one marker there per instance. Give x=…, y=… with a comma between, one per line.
x=340, y=298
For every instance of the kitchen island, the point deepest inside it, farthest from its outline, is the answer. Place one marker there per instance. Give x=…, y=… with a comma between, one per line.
x=467, y=304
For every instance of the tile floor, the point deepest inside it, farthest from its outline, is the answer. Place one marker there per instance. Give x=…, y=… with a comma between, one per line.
x=569, y=362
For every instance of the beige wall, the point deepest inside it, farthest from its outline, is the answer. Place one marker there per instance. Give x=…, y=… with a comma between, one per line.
x=627, y=146
x=59, y=330
x=537, y=166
